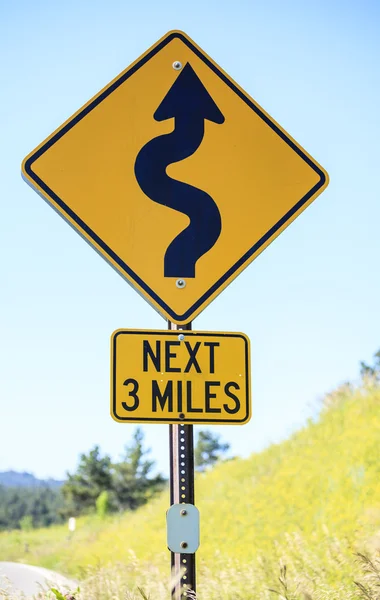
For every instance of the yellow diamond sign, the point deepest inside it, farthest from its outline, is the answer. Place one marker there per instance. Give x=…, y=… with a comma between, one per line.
x=176, y=176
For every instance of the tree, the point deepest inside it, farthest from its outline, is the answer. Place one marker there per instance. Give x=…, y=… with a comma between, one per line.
x=97, y=485
x=103, y=506
x=93, y=476
x=22, y=507
x=208, y=450
x=371, y=372
x=26, y=523
x=131, y=483
x=102, y=485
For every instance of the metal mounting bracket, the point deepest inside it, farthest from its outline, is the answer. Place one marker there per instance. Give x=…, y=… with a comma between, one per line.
x=182, y=522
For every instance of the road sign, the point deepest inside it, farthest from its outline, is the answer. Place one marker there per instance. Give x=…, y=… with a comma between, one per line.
x=180, y=377
x=176, y=176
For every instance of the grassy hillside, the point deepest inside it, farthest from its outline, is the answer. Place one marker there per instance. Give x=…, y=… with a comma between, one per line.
x=308, y=503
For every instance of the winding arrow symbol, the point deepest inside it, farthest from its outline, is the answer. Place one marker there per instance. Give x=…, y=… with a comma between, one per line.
x=190, y=104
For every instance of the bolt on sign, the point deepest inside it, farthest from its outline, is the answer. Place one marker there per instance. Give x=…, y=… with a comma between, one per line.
x=176, y=176
x=180, y=377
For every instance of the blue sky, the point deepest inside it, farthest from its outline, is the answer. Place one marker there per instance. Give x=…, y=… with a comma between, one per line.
x=309, y=303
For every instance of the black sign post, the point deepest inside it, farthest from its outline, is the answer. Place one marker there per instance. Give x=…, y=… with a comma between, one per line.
x=182, y=492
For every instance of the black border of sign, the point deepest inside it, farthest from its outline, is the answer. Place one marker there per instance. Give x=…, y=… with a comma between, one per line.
x=175, y=334
x=185, y=317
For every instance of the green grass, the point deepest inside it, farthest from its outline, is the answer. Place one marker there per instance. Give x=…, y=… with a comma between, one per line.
x=308, y=503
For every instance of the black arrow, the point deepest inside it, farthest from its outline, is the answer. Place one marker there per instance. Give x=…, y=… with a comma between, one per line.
x=190, y=104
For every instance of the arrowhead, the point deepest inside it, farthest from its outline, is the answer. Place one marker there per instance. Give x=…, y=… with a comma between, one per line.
x=188, y=98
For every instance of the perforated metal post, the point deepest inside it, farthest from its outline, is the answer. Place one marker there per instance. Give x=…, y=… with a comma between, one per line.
x=182, y=490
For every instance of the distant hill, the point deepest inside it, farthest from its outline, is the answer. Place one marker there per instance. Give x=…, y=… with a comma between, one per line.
x=15, y=479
